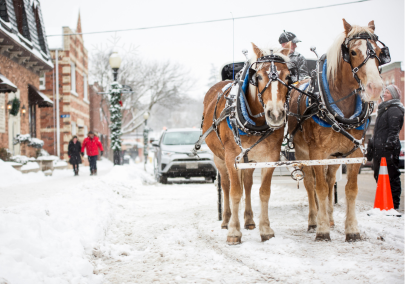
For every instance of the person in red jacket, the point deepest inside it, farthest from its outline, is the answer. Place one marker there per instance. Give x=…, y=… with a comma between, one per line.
x=91, y=144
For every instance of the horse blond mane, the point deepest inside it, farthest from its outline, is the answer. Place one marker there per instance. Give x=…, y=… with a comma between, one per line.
x=334, y=53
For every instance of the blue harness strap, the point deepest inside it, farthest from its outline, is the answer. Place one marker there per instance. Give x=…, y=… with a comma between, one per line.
x=243, y=105
x=357, y=112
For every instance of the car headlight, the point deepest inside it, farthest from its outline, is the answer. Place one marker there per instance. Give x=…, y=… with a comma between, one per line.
x=167, y=153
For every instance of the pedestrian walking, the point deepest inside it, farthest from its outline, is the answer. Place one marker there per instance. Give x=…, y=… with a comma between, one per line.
x=296, y=58
x=92, y=144
x=385, y=141
x=74, y=149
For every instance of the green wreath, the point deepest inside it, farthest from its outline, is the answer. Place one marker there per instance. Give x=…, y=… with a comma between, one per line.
x=15, y=107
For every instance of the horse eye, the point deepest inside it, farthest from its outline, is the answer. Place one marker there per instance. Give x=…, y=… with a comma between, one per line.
x=354, y=53
x=259, y=77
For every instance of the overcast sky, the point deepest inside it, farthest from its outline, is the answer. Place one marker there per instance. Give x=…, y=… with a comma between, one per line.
x=197, y=46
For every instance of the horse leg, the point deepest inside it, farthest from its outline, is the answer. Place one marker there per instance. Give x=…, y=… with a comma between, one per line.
x=234, y=234
x=266, y=232
x=351, y=189
x=331, y=179
x=309, y=182
x=248, y=182
x=226, y=214
x=322, y=191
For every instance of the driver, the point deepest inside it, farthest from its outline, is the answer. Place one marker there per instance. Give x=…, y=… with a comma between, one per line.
x=295, y=57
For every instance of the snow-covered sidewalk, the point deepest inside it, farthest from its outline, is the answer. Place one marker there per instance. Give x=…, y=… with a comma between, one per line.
x=121, y=228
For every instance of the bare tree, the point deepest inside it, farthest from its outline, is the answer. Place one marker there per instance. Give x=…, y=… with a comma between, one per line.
x=152, y=83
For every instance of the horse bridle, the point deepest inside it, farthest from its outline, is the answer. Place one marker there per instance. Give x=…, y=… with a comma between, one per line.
x=384, y=57
x=273, y=74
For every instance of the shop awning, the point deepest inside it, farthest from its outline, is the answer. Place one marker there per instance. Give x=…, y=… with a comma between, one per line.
x=38, y=98
x=6, y=86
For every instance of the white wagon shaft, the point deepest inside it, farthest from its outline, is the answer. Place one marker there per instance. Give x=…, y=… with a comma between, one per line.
x=299, y=164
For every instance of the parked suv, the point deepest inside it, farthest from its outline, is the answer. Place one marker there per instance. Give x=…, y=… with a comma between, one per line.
x=173, y=156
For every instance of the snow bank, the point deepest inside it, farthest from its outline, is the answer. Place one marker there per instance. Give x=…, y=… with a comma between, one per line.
x=30, y=166
x=52, y=239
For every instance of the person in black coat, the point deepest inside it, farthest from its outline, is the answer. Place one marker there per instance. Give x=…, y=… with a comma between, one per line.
x=385, y=141
x=74, y=149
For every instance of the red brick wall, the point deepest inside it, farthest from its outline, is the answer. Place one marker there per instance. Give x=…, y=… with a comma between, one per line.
x=21, y=77
x=72, y=104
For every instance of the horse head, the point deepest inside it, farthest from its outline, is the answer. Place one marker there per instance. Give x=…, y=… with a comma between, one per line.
x=358, y=47
x=269, y=82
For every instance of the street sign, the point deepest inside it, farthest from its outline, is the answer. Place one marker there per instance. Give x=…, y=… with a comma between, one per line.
x=64, y=115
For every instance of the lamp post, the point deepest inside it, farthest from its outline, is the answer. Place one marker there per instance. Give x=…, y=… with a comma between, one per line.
x=145, y=138
x=115, y=109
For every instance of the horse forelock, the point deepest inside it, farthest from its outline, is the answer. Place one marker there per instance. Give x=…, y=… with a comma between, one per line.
x=267, y=51
x=334, y=54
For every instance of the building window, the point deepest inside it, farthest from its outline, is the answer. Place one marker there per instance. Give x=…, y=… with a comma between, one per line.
x=393, y=81
x=42, y=81
x=32, y=116
x=21, y=18
x=85, y=131
x=85, y=87
x=74, y=129
x=3, y=11
x=38, y=23
x=73, y=77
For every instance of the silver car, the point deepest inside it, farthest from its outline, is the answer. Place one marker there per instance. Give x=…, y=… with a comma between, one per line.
x=173, y=156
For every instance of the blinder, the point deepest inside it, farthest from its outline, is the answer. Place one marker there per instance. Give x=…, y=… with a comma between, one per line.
x=273, y=75
x=384, y=57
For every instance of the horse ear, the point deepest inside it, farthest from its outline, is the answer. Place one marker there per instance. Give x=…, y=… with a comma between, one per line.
x=287, y=49
x=347, y=27
x=257, y=51
x=371, y=25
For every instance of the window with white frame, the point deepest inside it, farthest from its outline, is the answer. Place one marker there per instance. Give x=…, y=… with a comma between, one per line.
x=42, y=81
x=74, y=129
x=73, y=77
x=85, y=130
x=85, y=87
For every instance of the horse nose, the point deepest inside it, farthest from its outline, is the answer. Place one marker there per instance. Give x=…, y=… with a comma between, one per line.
x=277, y=115
x=374, y=90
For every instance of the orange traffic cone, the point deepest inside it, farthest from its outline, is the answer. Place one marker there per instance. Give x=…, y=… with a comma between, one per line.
x=383, y=196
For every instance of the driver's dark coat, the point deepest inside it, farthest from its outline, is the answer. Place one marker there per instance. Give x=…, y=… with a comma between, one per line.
x=300, y=63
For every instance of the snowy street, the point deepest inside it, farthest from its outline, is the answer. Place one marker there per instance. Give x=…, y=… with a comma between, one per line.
x=121, y=227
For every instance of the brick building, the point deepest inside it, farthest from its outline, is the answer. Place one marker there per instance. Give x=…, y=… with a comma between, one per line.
x=73, y=92
x=393, y=74
x=99, y=116
x=24, y=55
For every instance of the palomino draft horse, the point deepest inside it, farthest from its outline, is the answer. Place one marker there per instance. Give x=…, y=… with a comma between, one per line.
x=265, y=93
x=350, y=80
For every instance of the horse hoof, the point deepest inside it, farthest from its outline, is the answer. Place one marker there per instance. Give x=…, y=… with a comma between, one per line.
x=311, y=228
x=267, y=237
x=332, y=224
x=225, y=227
x=353, y=237
x=322, y=237
x=233, y=240
x=250, y=227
